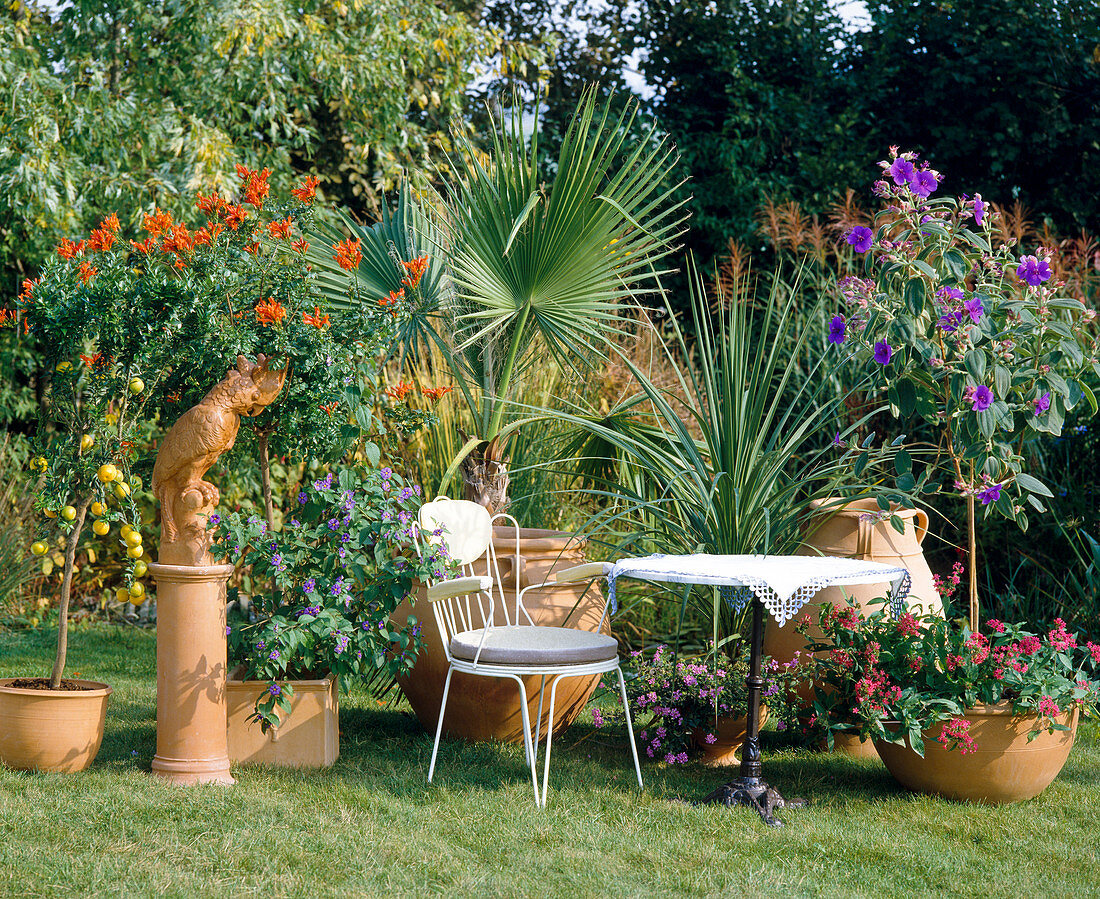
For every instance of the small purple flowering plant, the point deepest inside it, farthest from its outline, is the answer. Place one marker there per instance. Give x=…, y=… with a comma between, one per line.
x=323, y=586
x=675, y=701
x=981, y=343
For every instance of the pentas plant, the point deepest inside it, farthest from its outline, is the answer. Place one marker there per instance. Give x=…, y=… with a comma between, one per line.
x=677, y=702
x=325, y=585
x=892, y=679
x=977, y=341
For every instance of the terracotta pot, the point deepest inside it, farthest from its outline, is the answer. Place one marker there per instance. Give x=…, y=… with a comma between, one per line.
x=1004, y=767
x=731, y=734
x=309, y=737
x=482, y=708
x=848, y=532
x=51, y=730
x=850, y=745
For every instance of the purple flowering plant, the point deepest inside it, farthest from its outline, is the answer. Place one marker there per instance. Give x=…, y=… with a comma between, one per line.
x=960, y=331
x=322, y=595
x=674, y=701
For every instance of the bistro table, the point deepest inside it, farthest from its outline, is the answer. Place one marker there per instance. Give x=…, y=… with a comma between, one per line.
x=782, y=584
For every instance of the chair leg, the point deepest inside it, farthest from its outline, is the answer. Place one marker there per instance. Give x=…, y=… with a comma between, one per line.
x=439, y=726
x=538, y=720
x=549, y=737
x=528, y=748
x=629, y=726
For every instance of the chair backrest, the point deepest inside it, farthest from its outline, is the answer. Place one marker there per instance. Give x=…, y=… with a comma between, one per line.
x=466, y=528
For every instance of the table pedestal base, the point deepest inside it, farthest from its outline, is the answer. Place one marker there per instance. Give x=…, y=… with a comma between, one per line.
x=754, y=793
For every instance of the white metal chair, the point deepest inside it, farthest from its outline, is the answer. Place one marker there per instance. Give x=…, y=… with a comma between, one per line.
x=477, y=643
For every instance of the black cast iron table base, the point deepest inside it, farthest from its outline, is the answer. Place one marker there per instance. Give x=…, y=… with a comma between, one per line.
x=754, y=793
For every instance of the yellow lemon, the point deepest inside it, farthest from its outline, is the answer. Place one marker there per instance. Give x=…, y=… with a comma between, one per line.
x=122, y=490
x=64, y=366
x=39, y=548
x=101, y=527
x=110, y=418
x=126, y=530
x=133, y=538
x=122, y=594
x=39, y=463
x=49, y=513
x=68, y=513
x=136, y=386
x=134, y=552
x=137, y=590
x=87, y=441
x=107, y=473
x=140, y=568
x=97, y=509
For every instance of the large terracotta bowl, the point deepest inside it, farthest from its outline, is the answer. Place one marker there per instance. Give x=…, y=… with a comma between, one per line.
x=483, y=708
x=52, y=730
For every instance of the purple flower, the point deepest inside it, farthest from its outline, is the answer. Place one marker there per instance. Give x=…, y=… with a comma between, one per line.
x=861, y=238
x=1041, y=403
x=983, y=398
x=901, y=171
x=301, y=498
x=386, y=472
x=597, y=718
x=950, y=322
x=1033, y=271
x=979, y=208
x=883, y=352
x=341, y=643
x=228, y=630
x=990, y=495
x=309, y=586
x=974, y=309
x=274, y=689
x=949, y=293
x=924, y=183
x=273, y=655
x=837, y=330
x=213, y=519
x=337, y=586
x=385, y=486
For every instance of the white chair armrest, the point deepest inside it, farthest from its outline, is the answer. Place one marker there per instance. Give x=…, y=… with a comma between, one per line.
x=584, y=572
x=458, y=587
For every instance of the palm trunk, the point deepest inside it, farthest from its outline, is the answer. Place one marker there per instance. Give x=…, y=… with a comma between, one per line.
x=66, y=593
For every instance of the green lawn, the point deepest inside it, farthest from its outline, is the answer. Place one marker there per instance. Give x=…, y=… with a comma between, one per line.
x=372, y=826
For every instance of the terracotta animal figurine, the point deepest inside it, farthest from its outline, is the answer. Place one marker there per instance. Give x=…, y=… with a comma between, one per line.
x=194, y=443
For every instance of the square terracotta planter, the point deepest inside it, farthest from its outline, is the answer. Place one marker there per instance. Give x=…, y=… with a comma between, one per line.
x=308, y=738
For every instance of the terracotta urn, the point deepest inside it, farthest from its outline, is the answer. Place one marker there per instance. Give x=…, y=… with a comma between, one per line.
x=856, y=531
x=730, y=735
x=1003, y=766
x=850, y=745
x=483, y=708
x=309, y=737
x=52, y=730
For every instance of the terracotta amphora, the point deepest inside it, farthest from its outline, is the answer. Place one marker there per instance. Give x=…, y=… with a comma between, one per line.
x=482, y=708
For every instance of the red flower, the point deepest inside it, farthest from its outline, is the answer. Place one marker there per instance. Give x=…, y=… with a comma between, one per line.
x=300, y=245
x=28, y=289
x=157, y=223
x=87, y=272
x=414, y=271
x=213, y=205
x=281, y=230
x=146, y=246
x=110, y=223
x=269, y=312
x=5, y=316
x=235, y=216
x=255, y=186
x=392, y=298
x=308, y=190
x=252, y=247
x=179, y=240
x=348, y=255
x=317, y=320
x=330, y=408
x=400, y=391
x=103, y=237
x=435, y=393
x=67, y=249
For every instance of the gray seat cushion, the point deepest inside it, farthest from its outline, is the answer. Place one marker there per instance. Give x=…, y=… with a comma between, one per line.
x=525, y=645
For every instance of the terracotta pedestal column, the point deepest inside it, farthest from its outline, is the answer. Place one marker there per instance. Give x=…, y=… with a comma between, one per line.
x=191, y=672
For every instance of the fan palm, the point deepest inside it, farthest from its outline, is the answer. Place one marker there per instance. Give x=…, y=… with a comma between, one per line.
x=532, y=269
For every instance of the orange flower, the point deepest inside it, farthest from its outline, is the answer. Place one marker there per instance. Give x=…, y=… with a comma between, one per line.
x=392, y=298
x=269, y=312
x=28, y=289
x=179, y=240
x=255, y=185
x=4, y=316
x=348, y=255
x=317, y=320
x=212, y=205
x=86, y=272
x=215, y=228
x=281, y=230
x=330, y=407
x=146, y=246
x=110, y=224
x=101, y=240
x=414, y=271
x=435, y=393
x=97, y=360
x=400, y=391
x=157, y=223
x=253, y=247
x=308, y=190
x=301, y=244
x=202, y=237
x=67, y=249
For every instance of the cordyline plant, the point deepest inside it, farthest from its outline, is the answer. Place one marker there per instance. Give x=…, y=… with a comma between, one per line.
x=137, y=331
x=977, y=341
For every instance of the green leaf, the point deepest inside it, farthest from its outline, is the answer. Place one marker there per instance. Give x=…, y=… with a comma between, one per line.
x=956, y=264
x=1002, y=379
x=1033, y=485
x=914, y=296
x=1090, y=396
x=987, y=423
x=924, y=267
x=373, y=454
x=1036, y=503
x=897, y=524
x=975, y=364
x=903, y=462
x=906, y=395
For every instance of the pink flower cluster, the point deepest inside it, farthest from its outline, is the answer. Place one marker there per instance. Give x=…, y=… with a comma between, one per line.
x=957, y=732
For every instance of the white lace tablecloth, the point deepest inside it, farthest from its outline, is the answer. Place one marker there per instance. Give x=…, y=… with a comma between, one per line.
x=782, y=583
